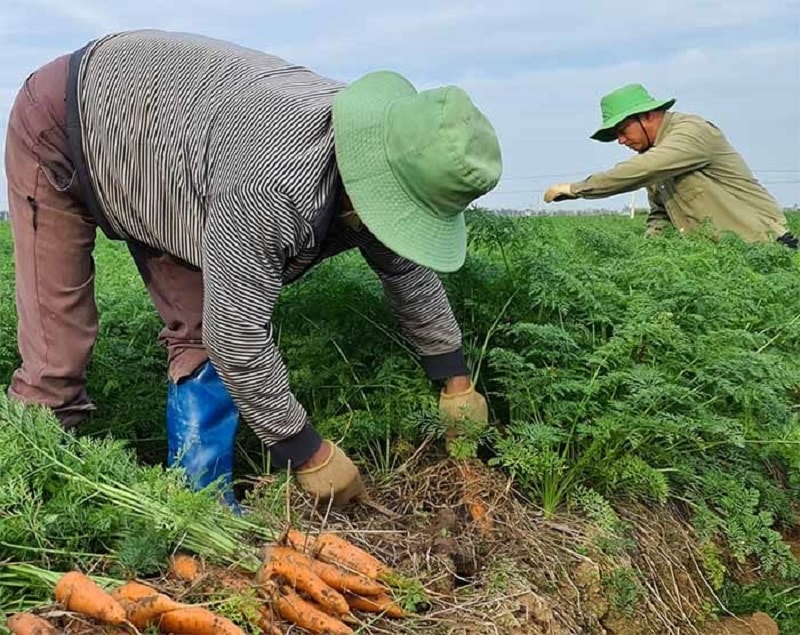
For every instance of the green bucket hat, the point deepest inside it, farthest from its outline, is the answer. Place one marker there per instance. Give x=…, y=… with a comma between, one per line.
x=411, y=162
x=631, y=99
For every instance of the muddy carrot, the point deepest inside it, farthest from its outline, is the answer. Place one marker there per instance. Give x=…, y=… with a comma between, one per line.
x=185, y=567
x=336, y=550
x=342, y=580
x=376, y=604
x=143, y=604
x=296, y=569
x=299, y=541
x=78, y=593
x=196, y=620
x=332, y=548
x=29, y=624
x=473, y=501
x=295, y=609
x=266, y=621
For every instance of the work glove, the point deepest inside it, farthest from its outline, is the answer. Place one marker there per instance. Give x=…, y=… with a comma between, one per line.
x=464, y=412
x=337, y=477
x=560, y=192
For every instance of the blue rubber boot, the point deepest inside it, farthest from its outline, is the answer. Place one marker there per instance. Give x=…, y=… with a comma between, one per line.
x=201, y=431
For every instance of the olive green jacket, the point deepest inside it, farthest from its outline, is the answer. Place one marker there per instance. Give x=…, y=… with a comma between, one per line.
x=692, y=173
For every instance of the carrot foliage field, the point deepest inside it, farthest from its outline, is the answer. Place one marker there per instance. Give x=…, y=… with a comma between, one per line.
x=619, y=370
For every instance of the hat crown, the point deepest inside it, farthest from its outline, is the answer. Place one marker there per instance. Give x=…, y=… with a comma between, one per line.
x=442, y=150
x=629, y=100
x=624, y=99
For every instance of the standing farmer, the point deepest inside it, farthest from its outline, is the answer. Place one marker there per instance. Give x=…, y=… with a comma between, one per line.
x=229, y=173
x=691, y=171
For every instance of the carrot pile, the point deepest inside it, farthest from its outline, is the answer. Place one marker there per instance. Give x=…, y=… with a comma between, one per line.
x=314, y=583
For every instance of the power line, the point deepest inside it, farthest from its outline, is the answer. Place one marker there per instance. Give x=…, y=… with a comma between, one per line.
x=534, y=177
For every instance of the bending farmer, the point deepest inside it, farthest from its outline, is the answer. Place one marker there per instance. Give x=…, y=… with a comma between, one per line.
x=230, y=173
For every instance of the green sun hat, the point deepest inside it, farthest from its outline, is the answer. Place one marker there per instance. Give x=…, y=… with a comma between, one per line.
x=631, y=99
x=412, y=162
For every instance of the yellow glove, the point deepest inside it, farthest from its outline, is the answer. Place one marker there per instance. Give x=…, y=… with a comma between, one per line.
x=460, y=408
x=337, y=477
x=560, y=192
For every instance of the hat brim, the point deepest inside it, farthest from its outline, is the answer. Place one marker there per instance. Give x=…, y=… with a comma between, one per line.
x=388, y=211
x=608, y=133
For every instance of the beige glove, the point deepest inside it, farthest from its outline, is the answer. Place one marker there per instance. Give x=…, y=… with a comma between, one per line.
x=337, y=476
x=559, y=192
x=460, y=408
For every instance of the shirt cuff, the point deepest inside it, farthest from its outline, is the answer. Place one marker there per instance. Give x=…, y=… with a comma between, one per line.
x=445, y=365
x=297, y=449
x=577, y=188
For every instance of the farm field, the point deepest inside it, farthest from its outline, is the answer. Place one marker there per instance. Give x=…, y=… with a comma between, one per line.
x=642, y=474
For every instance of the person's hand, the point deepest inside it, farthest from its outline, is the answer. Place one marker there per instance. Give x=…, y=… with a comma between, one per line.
x=336, y=476
x=464, y=411
x=559, y=192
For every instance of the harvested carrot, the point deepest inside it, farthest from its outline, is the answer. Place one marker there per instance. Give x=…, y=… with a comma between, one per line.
x=143, y=604
x=196, y=620
x=185, y=567
x=76, y=592
x=266, y=621
x=304, y=614
x=376, y=604
x=336, y=550
x=299, y=541
x=296, y=569
x=29, y=624
x=342, y=580
x=133, y=590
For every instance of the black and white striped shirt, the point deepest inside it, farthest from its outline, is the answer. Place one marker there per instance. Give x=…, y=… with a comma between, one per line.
x=224, y=156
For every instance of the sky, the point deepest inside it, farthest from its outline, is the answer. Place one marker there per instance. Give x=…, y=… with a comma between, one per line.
x=537, y=70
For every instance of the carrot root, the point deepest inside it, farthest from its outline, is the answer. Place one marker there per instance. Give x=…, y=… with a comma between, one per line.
x=196, y=620
x=379, y=604
x=336, y=550
x=295, y=609
x=185, y=567
x=76, y=592
x=342, y=580
x=29, y=624
x=297, y=569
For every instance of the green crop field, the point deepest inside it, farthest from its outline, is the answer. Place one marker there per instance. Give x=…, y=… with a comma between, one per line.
x=625, y=377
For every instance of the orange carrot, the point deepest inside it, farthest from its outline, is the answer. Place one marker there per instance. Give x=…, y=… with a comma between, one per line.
x=266, y=621
x=473, y=500
x=299, y=541
x=29, y=624
x=376, y=604
x=342, y=580
x=331, y=548
x=78, y=593
x=143, y=604
x=133, y=590
x=304, y=614
x=296, y=569
x=185, y=567
x=196, y=620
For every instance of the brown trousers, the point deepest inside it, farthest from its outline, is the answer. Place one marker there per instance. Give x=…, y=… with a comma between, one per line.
x=54, y=237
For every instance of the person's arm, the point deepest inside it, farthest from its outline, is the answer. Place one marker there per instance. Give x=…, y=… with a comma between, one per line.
x=242, y=265
x=420, y=305
x=419, y=302
x=685, y=149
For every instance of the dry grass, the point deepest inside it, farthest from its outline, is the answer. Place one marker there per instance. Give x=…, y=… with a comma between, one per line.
x=528, y=575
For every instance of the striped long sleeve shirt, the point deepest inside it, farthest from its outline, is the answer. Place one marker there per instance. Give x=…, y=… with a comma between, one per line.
x=224, y=157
